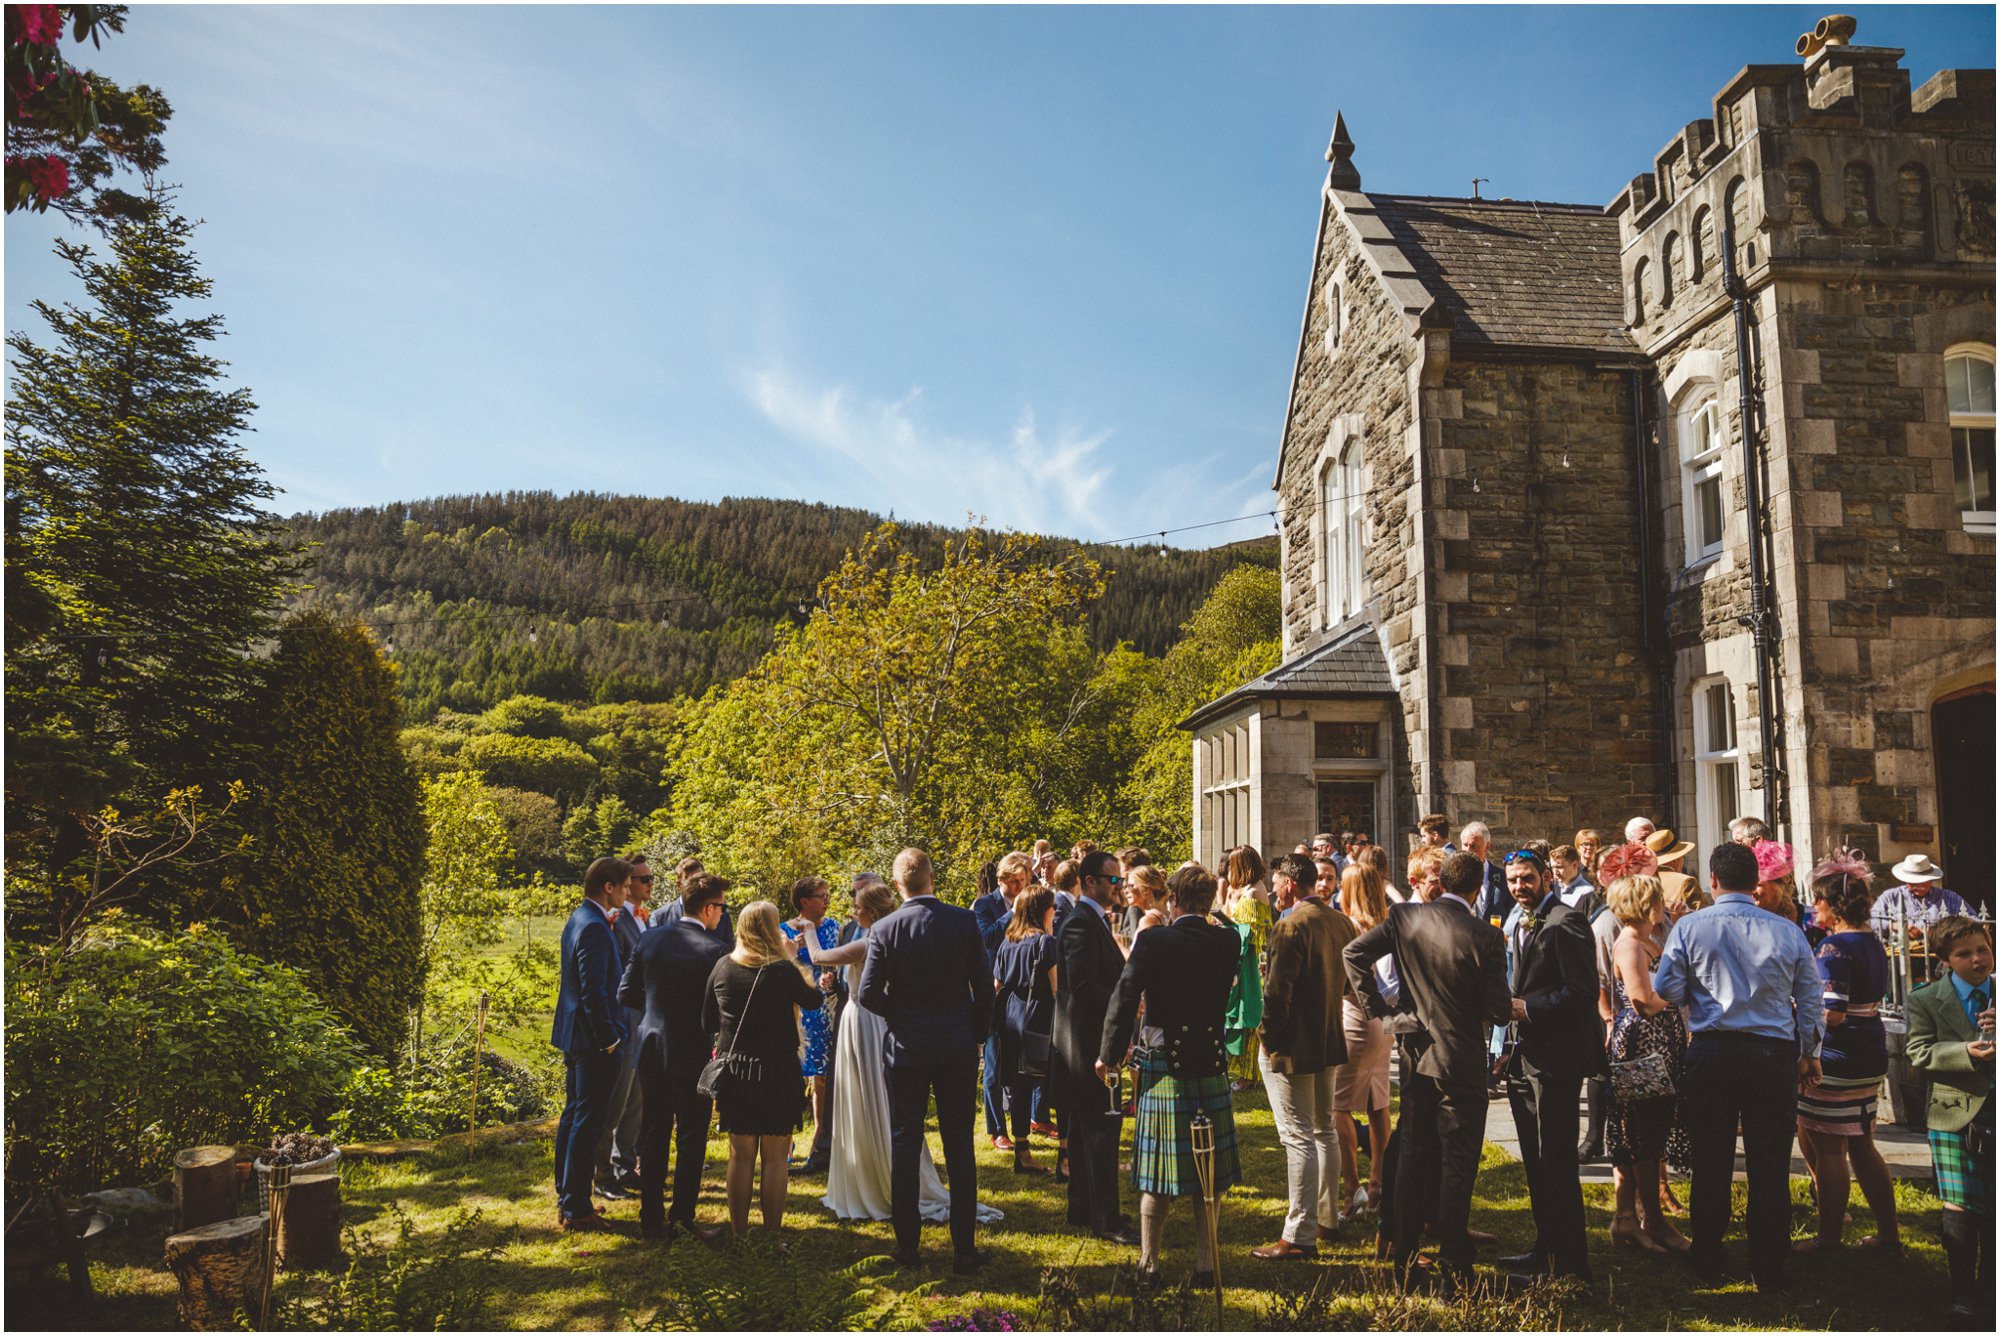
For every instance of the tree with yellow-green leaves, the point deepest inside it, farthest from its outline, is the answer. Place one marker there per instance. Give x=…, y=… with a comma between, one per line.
x=908, y=710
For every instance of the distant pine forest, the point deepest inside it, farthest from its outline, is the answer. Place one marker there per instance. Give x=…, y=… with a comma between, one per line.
x=597, y=598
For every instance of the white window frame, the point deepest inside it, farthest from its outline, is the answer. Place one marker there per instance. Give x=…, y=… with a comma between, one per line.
x=1343, y=536
x=1964, y=416
x=1701, y=466
x=1718, y=770
x=1227, y=805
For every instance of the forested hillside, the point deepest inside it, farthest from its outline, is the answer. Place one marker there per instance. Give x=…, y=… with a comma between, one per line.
x=589, y=597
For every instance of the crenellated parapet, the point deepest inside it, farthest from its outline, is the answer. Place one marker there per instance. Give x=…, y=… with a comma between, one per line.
x=1834, y=160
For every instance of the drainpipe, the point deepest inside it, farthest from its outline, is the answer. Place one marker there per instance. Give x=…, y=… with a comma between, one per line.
x=1762, y=618
x=1651, y=622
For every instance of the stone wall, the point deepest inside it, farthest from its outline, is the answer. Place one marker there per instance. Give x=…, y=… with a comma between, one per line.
x=1363, y=392
x=1548, y=693
x=1864, y=225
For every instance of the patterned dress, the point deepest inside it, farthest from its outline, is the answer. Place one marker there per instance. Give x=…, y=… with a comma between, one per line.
x=1855, y=1055
x=818, y=1032
x=1648, y=1129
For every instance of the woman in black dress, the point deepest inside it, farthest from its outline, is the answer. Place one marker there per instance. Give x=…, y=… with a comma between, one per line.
x=1024, y=977
x=752, y=1008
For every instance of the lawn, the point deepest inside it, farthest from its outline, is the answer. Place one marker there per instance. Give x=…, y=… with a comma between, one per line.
x=611, y=1281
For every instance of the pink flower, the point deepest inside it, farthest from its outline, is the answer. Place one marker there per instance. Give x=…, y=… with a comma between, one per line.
x=50, y=176
x=37, y=25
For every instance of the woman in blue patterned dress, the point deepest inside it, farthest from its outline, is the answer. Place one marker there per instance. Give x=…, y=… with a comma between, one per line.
x=1837, y=1112
x=810, y=896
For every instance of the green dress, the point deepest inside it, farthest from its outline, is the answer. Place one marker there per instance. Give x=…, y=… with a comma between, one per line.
x=1253, y=919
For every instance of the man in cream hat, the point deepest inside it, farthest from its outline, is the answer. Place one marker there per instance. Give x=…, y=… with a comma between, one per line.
x=1670, y=851
x=1919, y=893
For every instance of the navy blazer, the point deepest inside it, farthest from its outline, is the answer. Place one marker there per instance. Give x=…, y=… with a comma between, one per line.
x=927, y=976
x=588, y=1019
x=992, y=914
x=672, y=913
x=665, y=981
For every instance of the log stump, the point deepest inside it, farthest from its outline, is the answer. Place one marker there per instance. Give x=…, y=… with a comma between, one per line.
x=221, y=1269
x=205, y=1185
x=309, y=1233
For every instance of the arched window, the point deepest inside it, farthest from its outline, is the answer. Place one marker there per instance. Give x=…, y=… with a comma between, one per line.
x=1968, y=383
x=1343, y=545
x=1701, y=479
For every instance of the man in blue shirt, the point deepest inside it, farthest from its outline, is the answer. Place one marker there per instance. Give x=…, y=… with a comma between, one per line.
x=1752, y=992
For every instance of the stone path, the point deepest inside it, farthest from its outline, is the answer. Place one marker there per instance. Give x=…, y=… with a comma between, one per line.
x=1908, y=1153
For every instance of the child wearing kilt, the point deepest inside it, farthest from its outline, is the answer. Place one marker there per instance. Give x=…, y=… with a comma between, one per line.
x=1951, y=1037
x=1182, y=973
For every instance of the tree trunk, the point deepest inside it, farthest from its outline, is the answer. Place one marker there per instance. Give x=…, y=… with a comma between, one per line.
x=221, y=1270
x=309, y=1234
x=204, y=1186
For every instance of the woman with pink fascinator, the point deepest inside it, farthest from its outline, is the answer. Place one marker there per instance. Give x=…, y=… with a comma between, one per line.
x=1777, y=886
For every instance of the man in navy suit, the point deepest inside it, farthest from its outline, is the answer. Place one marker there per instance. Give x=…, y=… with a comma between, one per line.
x=665, y=979
x=589, y=1027
x=993, y=911
x=927, y=977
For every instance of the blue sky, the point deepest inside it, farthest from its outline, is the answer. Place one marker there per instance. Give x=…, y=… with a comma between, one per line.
x=1044, y=265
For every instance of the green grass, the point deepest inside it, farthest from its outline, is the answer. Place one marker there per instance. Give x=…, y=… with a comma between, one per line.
x=610, y=1281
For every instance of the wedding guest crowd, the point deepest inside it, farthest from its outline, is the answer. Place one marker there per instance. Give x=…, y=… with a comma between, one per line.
x=1686, y=1016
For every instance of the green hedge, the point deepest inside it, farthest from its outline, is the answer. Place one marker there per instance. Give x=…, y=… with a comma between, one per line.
x=139, y=1043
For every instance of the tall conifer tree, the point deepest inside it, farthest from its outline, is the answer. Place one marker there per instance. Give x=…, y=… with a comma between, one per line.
x=140, y=567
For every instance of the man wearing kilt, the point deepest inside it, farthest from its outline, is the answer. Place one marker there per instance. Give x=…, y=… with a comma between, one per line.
x=1951, y=1037
x=1182, y=973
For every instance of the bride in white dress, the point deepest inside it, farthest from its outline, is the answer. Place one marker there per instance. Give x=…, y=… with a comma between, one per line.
x=857, y=1180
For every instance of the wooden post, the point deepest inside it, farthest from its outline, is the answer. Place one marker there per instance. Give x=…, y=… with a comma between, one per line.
x=281, y=1193
x=478, y=1056
x=309, y=1232
x=204, y=1186
x=221, y=1269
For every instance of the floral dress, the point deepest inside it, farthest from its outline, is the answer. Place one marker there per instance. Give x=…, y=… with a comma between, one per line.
x=1649, y=1129
x=818, y=1030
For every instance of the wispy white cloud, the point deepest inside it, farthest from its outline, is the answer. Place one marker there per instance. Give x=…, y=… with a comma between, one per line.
x=1029, y=477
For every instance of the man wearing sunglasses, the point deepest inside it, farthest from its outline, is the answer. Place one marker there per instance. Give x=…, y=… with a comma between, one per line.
x=1088, y=969
x=1560, y=1044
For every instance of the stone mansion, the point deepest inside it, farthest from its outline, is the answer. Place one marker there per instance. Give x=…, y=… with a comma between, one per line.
x=1679, y=507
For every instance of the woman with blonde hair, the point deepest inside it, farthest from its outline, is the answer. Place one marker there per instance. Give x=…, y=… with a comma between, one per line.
x=1146, y=900
x=752, y=1006
x=1647, y=1049
x=1247, y=907
x=1361, y=1084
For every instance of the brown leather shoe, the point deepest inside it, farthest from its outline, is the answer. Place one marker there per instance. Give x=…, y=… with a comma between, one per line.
x=1325, y=1235
x=707, y=1233
x=1480, y=1237
x=586, y=1224
x=1284, y=1250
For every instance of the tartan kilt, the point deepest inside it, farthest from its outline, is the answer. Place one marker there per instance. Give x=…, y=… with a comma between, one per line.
x=1163, y=1146
x=1962, y=1180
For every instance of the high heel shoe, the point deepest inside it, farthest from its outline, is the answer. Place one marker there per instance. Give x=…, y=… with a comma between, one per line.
x=1625, y=1233
x=1661, y=1231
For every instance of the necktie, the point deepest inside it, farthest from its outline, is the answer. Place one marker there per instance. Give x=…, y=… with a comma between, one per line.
x=1975, y=1003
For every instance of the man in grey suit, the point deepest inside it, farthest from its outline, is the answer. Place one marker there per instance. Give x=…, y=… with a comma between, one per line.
x=1452, y=969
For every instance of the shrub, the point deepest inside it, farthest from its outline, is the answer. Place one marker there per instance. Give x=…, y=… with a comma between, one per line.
x=137, y=1043
x=337, y=827
x=442, y=1284
x=431, y=1096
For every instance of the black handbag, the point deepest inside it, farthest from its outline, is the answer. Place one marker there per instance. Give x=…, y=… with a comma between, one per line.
x=732, y=1066
x=1035, y=1047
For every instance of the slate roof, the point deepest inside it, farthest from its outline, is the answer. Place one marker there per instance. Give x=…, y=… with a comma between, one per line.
x=1516, y=274
x=1350, y=664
